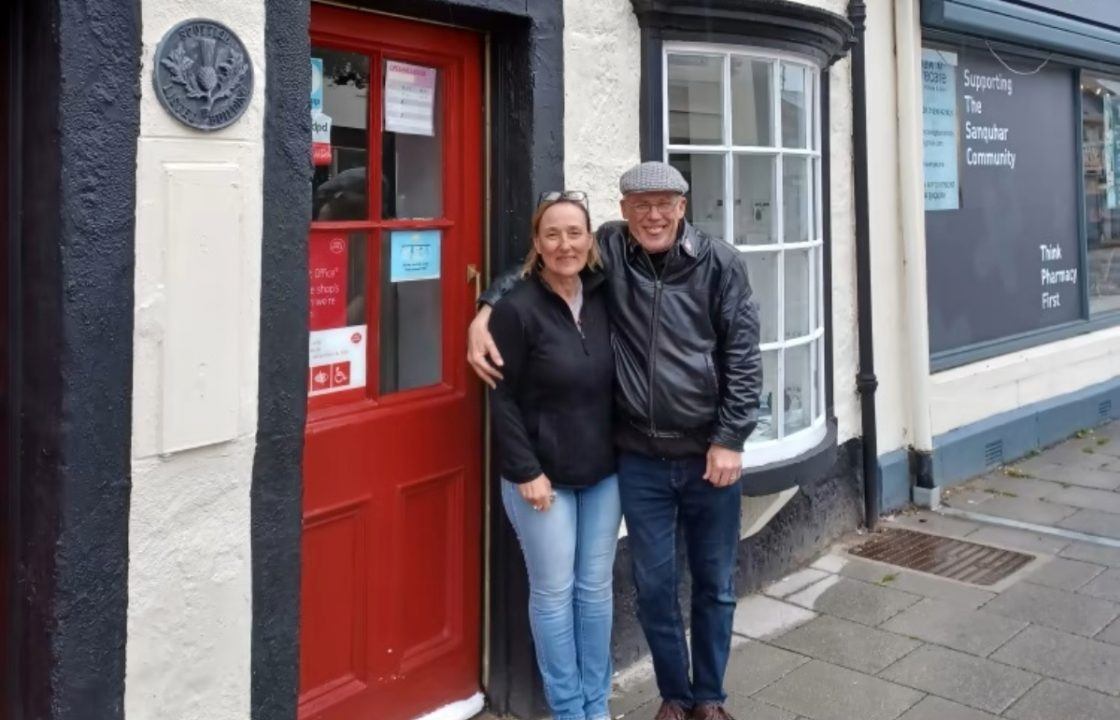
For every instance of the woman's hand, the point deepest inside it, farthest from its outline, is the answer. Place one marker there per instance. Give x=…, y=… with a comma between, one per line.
x=482, y=353
x=538, y=492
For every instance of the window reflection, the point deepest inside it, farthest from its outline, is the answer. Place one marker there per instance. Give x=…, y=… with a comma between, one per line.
x=340, y=187
x=1101, y=152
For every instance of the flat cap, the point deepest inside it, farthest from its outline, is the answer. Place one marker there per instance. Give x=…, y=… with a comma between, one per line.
x=652, y=177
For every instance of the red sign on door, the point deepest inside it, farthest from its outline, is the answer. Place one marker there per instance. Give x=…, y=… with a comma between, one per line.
x=326, y=269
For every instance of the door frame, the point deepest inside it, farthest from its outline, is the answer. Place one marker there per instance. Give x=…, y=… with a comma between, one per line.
x=524, y=84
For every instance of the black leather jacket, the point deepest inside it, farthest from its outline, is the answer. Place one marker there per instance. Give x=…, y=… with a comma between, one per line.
x=688, y=371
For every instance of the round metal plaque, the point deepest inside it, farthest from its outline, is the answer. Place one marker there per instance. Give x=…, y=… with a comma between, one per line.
x=202, y=74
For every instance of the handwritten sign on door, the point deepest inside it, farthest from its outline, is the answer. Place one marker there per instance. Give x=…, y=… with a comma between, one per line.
x=410, y=93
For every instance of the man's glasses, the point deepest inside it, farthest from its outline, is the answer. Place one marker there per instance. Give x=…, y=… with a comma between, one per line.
x=643, y=208
x=551, y=196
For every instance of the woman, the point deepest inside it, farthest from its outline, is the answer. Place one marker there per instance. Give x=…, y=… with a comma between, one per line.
x=552, y=421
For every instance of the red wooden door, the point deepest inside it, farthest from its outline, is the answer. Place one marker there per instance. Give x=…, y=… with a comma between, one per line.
x=392, y=463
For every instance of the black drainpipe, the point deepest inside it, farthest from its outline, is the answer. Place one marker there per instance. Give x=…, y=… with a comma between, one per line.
x=866, y=383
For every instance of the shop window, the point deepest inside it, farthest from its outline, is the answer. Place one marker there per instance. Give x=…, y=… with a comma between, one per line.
x=742, y=126
x=1100, y=118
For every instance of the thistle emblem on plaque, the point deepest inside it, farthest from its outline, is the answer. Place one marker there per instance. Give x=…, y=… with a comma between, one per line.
x=203, y=75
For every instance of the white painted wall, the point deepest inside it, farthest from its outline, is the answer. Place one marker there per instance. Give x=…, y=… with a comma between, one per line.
x=602, y=73
x=198, y=232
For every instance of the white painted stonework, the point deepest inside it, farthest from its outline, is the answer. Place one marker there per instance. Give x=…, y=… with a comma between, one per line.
x=198, y=233
x=602, y=73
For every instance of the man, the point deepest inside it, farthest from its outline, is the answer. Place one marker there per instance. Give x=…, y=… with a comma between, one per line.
x=688, y=375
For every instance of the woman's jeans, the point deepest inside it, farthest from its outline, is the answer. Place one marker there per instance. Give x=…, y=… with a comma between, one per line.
x=569, y=552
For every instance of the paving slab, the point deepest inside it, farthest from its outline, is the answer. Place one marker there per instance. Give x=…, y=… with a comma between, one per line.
x=1059, y=609
x=1024, y=487
x=1029, y=510
x=747, y=708
x=754, y=665
x=935, y=708
x=932, y=522
x=792, y=583
x=1065, y=476
x=1090, y=552
x=823, y=691
x=1065, y=574
x=1087, y=498
x=916, y=583
x=760, y=617
x=972, y=681
x=977, y=632
x=1094, y=522
x=1051, y=699
x=1105, y=586
x=1014, y=539
x=853, y=600
x=1059, y=655
x=628, y=698
x=1110, y=634
x=845, y=643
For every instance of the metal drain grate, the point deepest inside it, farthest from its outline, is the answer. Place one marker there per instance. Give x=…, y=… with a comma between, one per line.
x=956, y=559
x=993, y=453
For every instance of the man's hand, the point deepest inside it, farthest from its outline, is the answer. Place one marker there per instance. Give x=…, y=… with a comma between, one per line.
x=724, y=466
x=482, y=353
x=538, y=492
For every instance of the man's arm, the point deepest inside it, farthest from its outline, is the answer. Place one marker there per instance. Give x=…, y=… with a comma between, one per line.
x=739, y=359
x=482, y=352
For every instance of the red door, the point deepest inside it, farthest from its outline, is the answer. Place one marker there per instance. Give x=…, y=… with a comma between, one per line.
x=392, y=464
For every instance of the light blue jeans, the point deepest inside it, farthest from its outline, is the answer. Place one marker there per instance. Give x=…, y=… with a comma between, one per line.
x=569, y=553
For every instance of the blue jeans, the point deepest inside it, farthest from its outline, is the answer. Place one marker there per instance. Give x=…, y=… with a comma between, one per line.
x=569, y=553
x=658, y=496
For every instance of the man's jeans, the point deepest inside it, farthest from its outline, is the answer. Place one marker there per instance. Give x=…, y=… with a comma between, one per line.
x=569, y=553
x=657, y=496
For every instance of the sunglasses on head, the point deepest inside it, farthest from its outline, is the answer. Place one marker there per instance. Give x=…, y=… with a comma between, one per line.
x=550, y=196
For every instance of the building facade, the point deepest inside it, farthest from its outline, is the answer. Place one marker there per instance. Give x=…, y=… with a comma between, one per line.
x=248, y=469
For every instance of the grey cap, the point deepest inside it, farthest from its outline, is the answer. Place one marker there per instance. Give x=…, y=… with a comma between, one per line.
x=652, y=177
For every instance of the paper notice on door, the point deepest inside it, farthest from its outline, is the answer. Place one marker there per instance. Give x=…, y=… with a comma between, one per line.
x=337, y=360
x=410, y=93
x=414, y=255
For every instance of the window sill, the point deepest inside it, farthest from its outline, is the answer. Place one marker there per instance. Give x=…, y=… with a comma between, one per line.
x=763, y=475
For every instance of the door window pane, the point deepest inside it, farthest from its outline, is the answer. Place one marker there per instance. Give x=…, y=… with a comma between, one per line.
x=340, y=188
x=766, y=429
x=799, y=388
x=1100, y=102
x=762, y=269
x=754, y=200
x=795, y=82
x=704, y=173
x=411, y=330
x=795, y=199
x=752, y=112
x=695, y=85
x=412, y=142
x=796, y=299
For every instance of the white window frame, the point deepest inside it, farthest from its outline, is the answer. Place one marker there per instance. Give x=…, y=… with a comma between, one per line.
x=782, y=447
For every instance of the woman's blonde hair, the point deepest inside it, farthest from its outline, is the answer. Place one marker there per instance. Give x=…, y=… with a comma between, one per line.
x=533, y=258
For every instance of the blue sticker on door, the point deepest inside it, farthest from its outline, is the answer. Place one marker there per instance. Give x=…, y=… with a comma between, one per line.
x=414, y=255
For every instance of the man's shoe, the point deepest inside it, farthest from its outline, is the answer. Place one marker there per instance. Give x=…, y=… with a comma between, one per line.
x=710, y=711
x=671, y=711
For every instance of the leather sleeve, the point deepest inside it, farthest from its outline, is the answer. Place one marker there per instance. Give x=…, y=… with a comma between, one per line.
x=498, y=289
x=739, y=359
x=517, y=459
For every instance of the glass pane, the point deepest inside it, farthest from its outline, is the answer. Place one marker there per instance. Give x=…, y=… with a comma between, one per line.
x=795, y=85
x=795, y=199
x=704, y=173
x=799, y=388
x=766, y=429
x=412, y=144
x=695, y=89
x=1101, y=123
x=411, y=337
x=797, y=293
x=817, y=209
x=754, y=200
x=762, y=269
x=752, y=111
x=339, y=185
